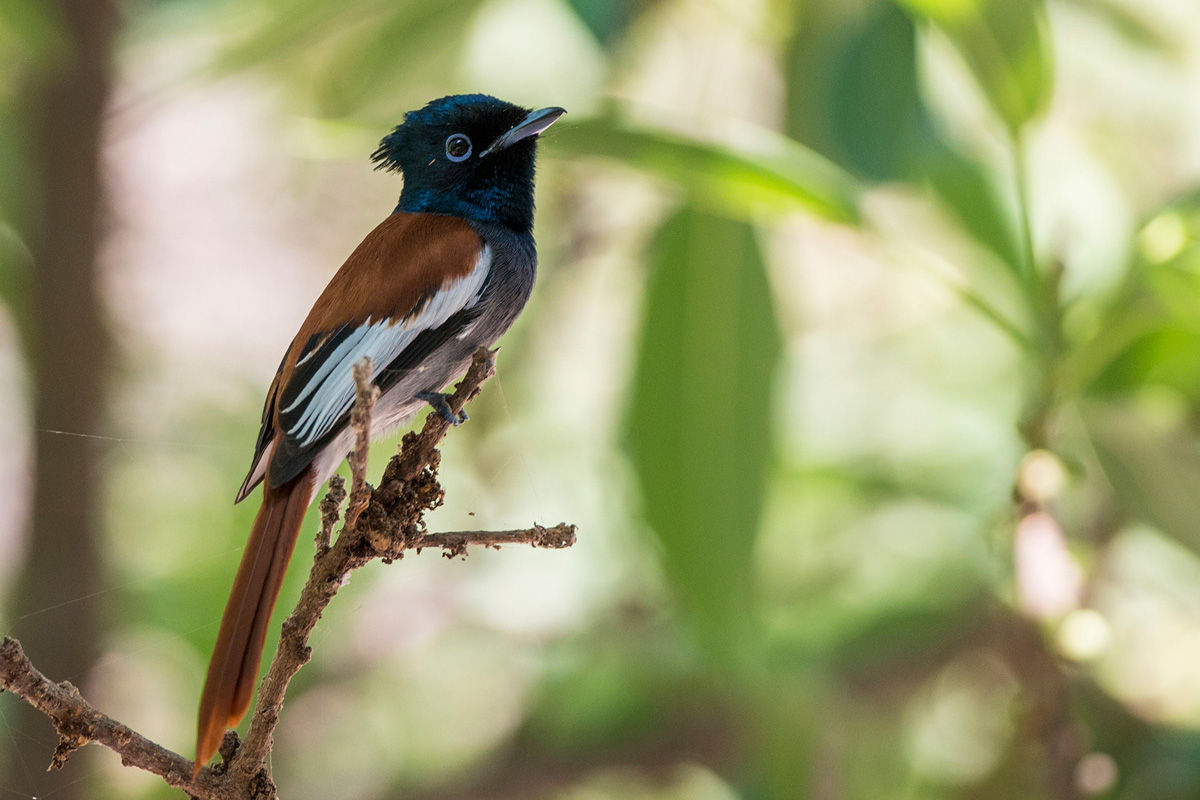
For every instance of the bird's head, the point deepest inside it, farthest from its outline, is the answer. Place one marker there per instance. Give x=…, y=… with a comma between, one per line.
x=469, y=156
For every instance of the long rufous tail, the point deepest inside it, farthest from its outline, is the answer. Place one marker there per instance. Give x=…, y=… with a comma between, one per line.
x=235, y=660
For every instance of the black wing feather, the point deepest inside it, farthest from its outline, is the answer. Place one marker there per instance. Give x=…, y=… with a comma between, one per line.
x=266, y=432
x=290, y=457
x=317, y=350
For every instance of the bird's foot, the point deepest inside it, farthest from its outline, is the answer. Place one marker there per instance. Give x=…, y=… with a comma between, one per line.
x=441, y=404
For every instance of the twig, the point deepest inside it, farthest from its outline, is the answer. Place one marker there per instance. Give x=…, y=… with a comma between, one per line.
x=388, y=521
x=456, y=543
x=331, y=512
x=366, y=393
x=78, y=722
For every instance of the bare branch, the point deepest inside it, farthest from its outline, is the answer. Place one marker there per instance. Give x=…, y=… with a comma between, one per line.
x=380, y=523
x=78, y=722
x=331, y=512
x=390, y=521
x=456, y=543
x=365, y=395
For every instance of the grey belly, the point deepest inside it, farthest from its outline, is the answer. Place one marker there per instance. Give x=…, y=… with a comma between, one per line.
x=398, y=405
x=514, y=263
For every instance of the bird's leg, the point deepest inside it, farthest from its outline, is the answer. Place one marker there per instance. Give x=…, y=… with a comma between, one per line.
x=441, y=405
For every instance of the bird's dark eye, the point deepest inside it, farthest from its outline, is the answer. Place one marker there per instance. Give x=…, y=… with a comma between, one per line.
x=458, y=147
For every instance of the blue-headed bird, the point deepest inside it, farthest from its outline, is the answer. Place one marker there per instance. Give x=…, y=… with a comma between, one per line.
x=445, y=274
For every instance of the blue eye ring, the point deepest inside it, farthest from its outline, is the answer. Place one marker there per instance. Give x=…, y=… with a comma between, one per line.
x=458, y=147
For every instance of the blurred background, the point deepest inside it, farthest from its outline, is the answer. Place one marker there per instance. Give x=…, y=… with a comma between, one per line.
x=865, y=352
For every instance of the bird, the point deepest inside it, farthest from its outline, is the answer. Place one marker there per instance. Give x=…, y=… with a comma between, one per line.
x=447, y=272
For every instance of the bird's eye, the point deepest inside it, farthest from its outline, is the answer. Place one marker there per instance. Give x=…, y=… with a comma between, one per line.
x=458, y=147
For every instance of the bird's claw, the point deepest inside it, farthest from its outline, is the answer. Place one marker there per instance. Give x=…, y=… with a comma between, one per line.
x=441, y=404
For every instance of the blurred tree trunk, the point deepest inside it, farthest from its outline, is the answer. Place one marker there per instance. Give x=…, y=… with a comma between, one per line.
x=56, y=606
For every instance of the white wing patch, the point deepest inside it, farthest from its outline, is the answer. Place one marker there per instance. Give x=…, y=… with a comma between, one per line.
x=329, y=393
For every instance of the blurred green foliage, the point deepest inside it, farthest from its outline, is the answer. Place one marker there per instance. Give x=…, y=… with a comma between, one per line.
x=805, y=490
x=30, y=39
x=843, y=50
x=777, y=176
x=700, y=413
x=1006, y=46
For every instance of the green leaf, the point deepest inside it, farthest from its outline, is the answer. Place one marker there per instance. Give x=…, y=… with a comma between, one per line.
x=1006, y=45
x=1154, y=470
x=968, y=192
x=1163, y=357
x=699, y=430
x=1148, y=331
x=772, y=173
x=853, y=89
